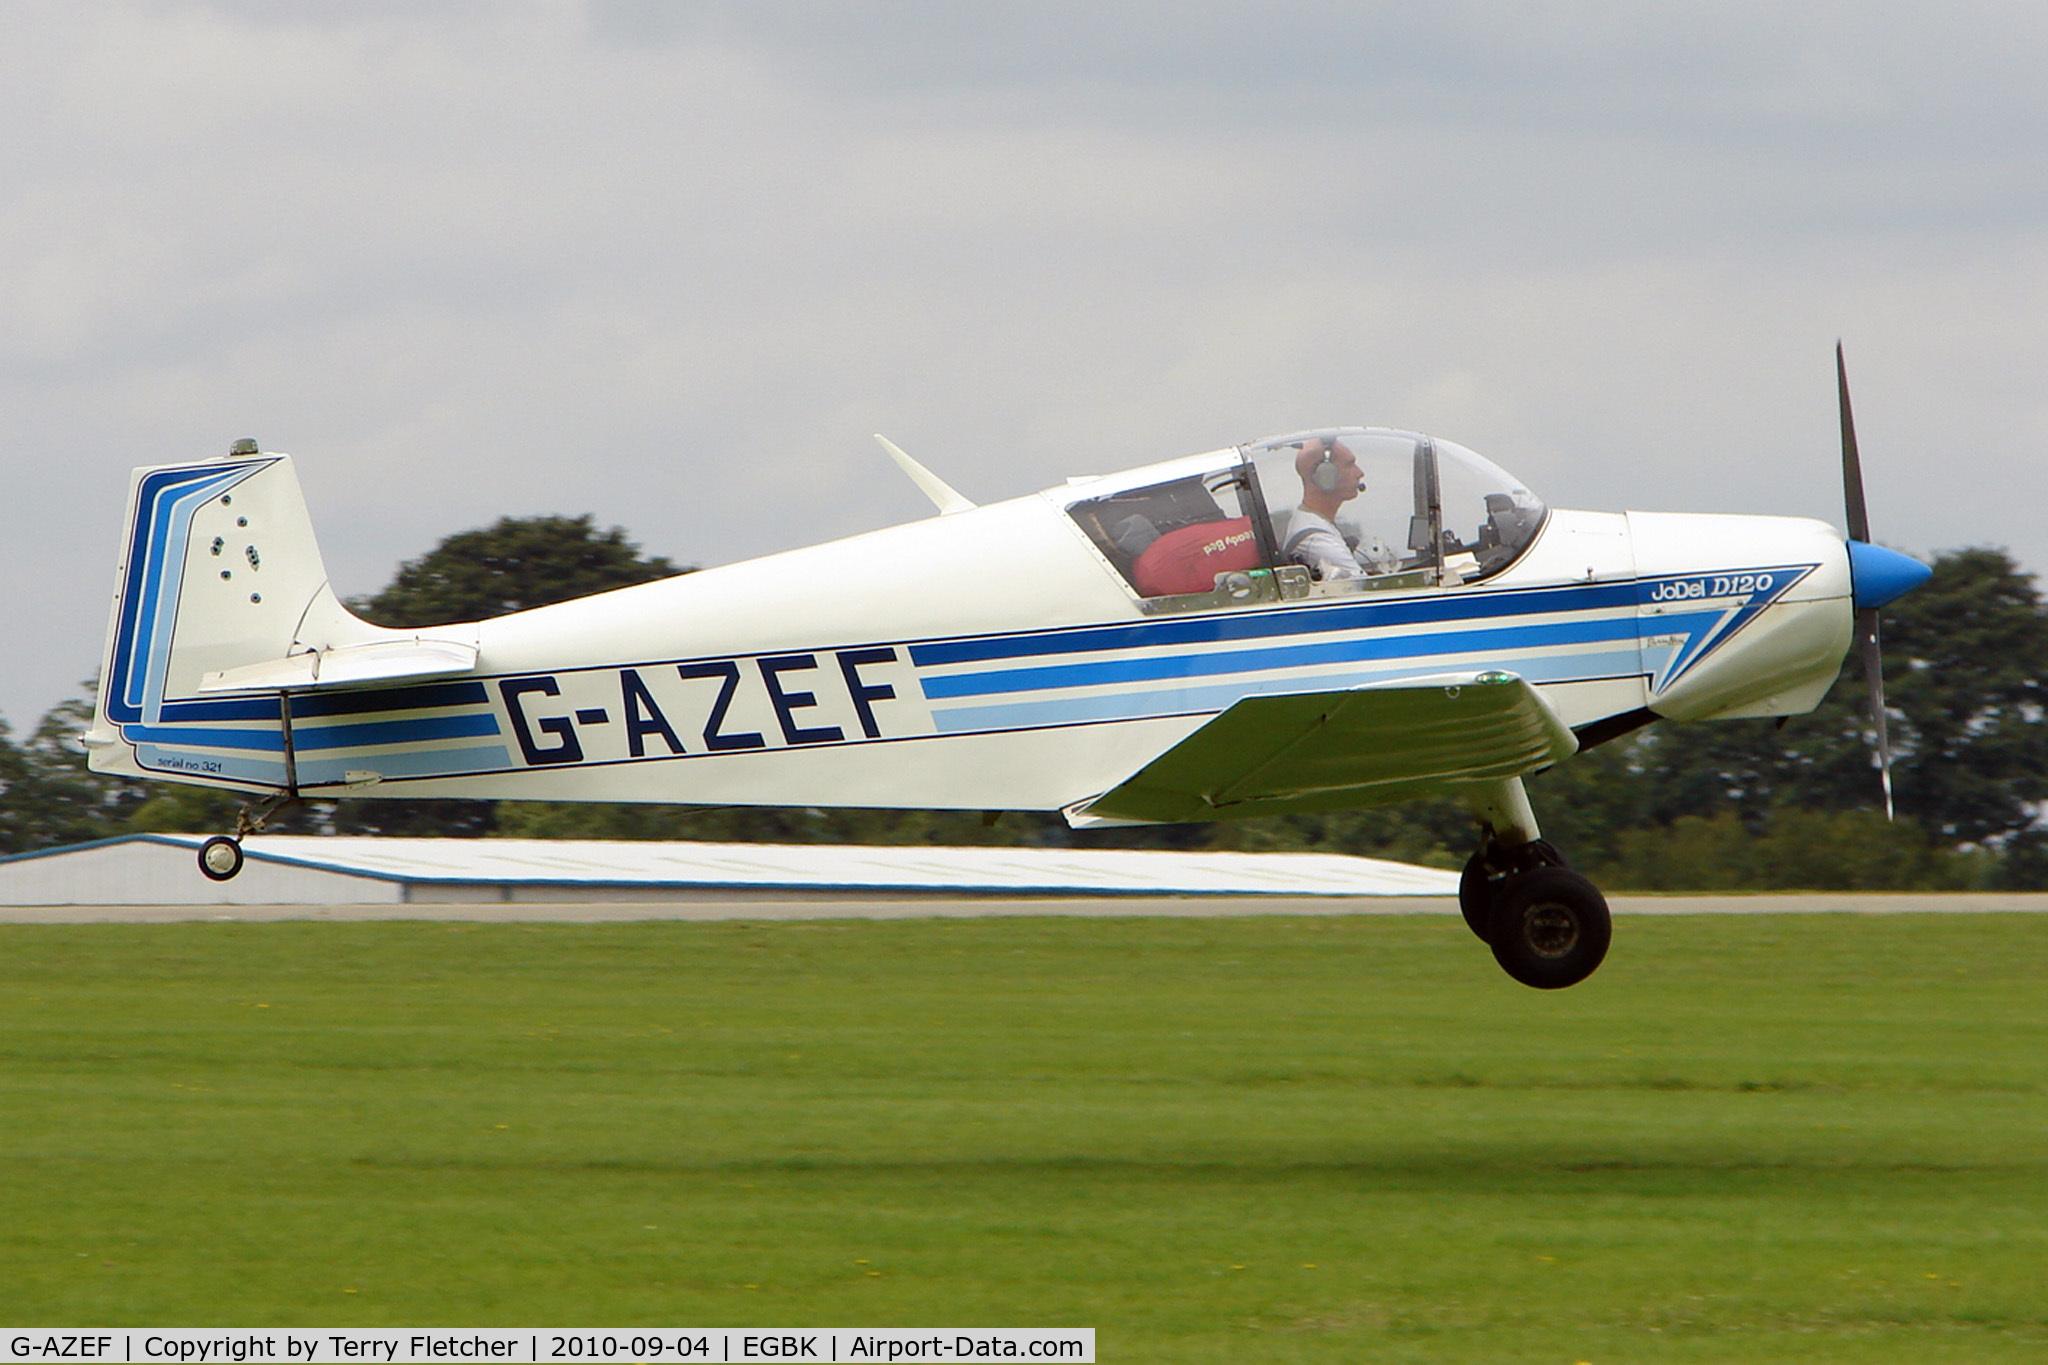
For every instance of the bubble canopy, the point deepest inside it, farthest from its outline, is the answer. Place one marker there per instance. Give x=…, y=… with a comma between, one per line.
x=1311, y=514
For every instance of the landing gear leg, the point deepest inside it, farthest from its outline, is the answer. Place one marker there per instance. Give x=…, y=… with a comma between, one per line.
x=220, y=858
x=1547, y=925
x=1488, y=873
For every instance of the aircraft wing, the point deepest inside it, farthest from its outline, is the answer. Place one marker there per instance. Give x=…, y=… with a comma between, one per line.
x=1363, y=746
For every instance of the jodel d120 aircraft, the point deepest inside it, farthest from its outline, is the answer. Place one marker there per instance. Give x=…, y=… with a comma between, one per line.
x=1335, y=618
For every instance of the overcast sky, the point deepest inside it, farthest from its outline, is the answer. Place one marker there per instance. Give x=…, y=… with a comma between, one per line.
x=672, y=263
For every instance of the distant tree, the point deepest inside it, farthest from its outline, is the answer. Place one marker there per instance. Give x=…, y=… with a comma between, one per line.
x=14, y=794
x=48, y=796
x=1435, y=833
x=1971, y=652
x=1798, y=850
x=511, y=565
x=514, y=564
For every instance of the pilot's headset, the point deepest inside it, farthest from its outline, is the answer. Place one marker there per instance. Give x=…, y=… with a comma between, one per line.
x=1326, y=475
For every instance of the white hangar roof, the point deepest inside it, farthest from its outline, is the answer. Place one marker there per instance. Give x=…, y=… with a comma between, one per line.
x=160, y=869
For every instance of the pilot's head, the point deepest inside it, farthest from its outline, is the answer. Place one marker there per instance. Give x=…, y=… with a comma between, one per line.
x=1329, y=473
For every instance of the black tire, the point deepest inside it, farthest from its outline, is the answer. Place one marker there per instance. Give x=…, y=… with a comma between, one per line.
x=1550, y=928
x=220, y=858
x=1478, y=886
x=1487, y=874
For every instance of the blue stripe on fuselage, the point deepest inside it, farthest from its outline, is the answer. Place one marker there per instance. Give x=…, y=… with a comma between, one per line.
x=421, y=730
x=1156, y=668
x=312, y=705
x=1288, y=620
x=1033, y=713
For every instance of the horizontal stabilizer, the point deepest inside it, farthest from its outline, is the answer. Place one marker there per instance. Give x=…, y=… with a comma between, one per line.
x=347, y=666
x=1333, y=750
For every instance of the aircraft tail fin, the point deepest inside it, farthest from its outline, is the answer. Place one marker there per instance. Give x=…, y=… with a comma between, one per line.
x=219, y=574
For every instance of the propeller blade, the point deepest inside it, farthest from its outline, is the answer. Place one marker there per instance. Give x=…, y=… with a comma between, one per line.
x=1873, y=673
x=1852, y=465
x=1878, y=564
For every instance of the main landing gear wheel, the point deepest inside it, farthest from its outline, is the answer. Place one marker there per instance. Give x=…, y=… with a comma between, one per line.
x=1487, y=874
x=1476, y=886
x=220, y=857
x=1550, y=928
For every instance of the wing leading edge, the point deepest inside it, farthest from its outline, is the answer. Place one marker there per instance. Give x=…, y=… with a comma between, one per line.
x=1318, y=751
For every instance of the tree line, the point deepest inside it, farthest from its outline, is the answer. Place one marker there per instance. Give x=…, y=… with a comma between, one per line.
x=1738, y=805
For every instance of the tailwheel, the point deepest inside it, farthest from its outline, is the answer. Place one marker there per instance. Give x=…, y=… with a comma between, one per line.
x=1550, y=928
x=220, y=857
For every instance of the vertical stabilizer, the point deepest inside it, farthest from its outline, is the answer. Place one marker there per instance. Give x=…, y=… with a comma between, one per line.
x=219, y=570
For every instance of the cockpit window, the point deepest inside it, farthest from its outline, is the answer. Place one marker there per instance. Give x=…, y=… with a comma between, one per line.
x=1487, y=513
x=1366, y=509
x=1185, y=542
x=1315, y=514
x=1342, y=505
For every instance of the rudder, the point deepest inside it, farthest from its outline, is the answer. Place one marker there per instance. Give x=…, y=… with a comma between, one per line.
x=219, y=570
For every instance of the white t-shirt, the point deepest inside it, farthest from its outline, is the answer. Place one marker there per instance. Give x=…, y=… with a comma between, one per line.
x=1314, y=540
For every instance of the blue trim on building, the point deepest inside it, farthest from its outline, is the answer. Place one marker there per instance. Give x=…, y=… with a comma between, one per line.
x=1051, y=891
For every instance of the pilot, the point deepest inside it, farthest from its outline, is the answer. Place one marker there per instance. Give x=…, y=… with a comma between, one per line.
x=1330, y=477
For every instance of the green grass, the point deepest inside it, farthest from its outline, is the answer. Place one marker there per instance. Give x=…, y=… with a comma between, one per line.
x=1789, y=1138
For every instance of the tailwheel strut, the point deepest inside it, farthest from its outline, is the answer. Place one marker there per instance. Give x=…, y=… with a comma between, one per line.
x=220, y=858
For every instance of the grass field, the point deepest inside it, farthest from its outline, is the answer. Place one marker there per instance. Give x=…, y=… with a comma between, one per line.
x=1798, y=1138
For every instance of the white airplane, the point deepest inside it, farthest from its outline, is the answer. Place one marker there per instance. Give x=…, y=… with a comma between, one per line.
x=1334, y=618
